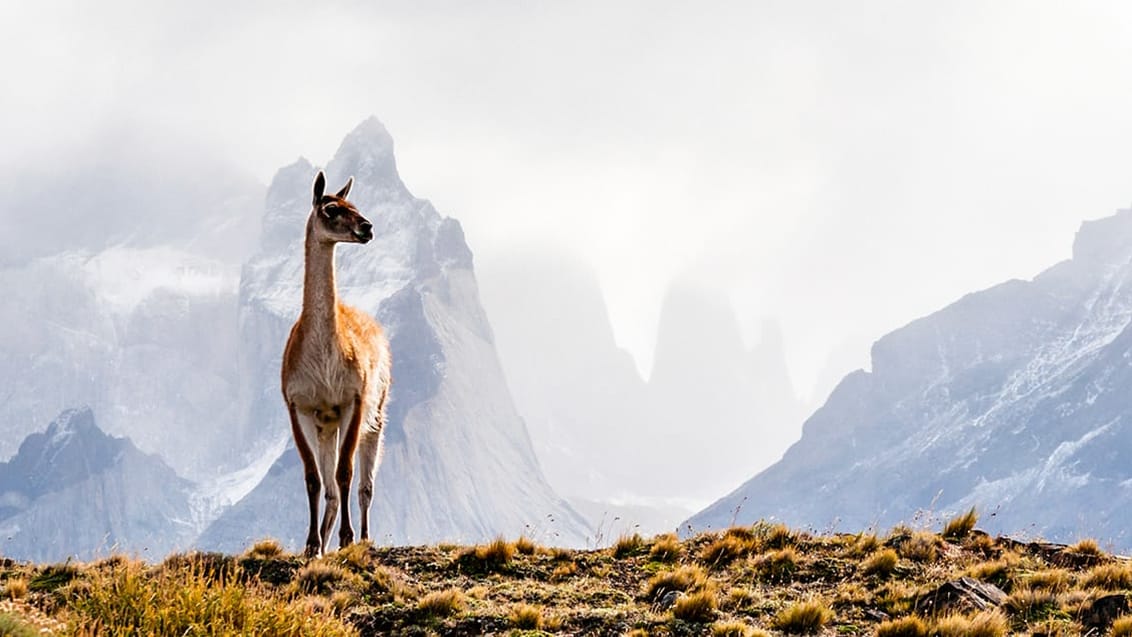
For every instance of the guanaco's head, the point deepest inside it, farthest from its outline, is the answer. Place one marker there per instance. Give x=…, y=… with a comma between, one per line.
x=335, y=220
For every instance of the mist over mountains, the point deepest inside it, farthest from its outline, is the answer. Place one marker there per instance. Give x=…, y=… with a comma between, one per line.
x=602, y=431
x=1013, y=400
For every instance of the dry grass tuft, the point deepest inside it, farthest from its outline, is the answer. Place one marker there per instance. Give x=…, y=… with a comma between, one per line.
x=684, y=579
x=732, y=628
x=665, y=548
x=778, y=536
x=133, y=599
x=265, y=549
x=739, y=599
x=1028, y=604
x=442, y=603
x=1054, y=580
x=698, y=607
x=881, y=563
x=319, y=578
x=1087, y=546
x=526, y=546
x=1122, y=627
x=903, y=627
x=563, y=571
x=984, y=624
x=778, y=566
x=1109, y=577
x=724, y=550
x=16, y=588
x=493, y=556
x=627, y=545
x=921, y=546
x=960, y=526
x=803, y=618
x=526, y=617
x=1001, y=572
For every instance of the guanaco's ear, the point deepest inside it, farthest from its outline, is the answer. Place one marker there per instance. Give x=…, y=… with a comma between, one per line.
x=319, y=187
x=345, y=189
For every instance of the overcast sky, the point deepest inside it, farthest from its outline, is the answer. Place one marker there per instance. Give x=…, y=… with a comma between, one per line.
x=843, y=167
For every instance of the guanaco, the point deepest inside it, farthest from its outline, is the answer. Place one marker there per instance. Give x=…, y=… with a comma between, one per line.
x=336, y=375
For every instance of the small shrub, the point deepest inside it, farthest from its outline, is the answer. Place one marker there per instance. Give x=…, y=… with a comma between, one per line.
x=526, y=546
x=698, y=607
x=684, y=579
x=526, y=617
x=960, y=526
x=1109, y=577
x=1122, y=627
x=627, y=545
x=442, y=603
x=266, y=548
x=984, y=624
x=730, y=629
x=666, y=548
x=803, y=618
x=903, y=627
x=881, y=563
x=17, y=588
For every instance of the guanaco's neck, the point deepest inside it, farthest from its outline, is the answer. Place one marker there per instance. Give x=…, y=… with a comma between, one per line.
x=320, y=294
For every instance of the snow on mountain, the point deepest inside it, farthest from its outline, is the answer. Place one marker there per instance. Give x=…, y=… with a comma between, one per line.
x=143, y=335
x=458, y=463
x=74, y=491
x=1014, y=400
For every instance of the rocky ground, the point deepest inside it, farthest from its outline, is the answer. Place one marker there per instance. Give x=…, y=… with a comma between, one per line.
x=760, y=580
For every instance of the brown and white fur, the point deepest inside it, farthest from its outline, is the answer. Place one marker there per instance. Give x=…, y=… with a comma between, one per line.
x=336, y=376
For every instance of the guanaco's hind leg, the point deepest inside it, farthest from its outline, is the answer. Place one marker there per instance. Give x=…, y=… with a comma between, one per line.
x=369, y=454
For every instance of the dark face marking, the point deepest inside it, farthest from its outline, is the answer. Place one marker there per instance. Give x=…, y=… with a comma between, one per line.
x=342, y=221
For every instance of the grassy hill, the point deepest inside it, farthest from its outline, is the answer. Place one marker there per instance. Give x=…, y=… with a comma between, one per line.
x=760, y=580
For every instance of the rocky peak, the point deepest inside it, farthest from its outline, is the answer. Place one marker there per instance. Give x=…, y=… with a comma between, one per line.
x=70, y=450
x=1105, y=240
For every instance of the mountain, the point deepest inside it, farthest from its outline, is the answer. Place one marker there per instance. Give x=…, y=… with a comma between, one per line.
x=580, y=394
x=458, y=463
x=74, y=491
x=1014, y=400
x=140, y=335
x=717, y=410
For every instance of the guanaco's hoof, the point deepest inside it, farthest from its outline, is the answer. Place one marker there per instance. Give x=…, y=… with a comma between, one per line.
x=311, y=550
x=345, y=539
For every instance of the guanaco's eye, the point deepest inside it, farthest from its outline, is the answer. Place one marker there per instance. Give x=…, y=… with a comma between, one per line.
x=332, y=211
